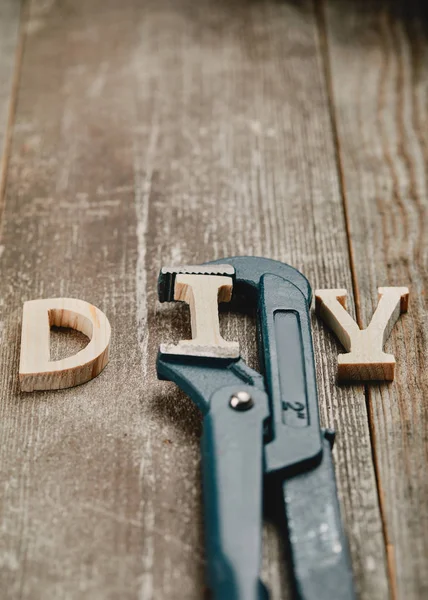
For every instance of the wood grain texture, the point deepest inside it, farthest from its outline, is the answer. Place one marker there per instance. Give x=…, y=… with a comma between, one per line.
x=163, y=132
x=378, y=55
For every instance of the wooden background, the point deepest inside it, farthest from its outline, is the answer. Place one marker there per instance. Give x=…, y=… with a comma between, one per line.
x=137, y=133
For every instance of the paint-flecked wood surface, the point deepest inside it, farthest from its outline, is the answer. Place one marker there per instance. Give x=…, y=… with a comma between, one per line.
x=9, y=54
x=167, y=132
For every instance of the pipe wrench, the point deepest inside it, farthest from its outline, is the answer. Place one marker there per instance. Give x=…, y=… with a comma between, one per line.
x=259, y=429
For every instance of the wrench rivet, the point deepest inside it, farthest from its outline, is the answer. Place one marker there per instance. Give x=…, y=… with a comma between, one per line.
x=241, y=401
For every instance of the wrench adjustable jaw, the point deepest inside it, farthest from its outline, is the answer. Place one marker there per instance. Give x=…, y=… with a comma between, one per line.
x=288, y=363
x=257, y=426
x=282, y=297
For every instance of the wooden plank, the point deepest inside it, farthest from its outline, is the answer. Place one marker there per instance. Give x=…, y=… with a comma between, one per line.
x=9, y=63
x=153, y=133
x=379, y=73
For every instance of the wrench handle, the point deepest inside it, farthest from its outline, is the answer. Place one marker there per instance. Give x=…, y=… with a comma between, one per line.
x=318, y=546
x=232, y=468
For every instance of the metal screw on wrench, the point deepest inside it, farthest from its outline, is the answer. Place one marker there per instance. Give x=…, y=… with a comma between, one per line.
x=241, y=401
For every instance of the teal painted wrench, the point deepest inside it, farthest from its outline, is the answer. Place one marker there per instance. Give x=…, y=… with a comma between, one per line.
x=261, y=429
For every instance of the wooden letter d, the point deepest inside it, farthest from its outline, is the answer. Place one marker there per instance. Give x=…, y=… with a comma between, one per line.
x=36, y=370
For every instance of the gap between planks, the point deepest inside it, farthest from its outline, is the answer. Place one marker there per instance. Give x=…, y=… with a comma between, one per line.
x=319, y=9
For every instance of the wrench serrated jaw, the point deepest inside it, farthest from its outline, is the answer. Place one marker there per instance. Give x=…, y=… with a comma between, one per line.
x=186, y=348
x=167, y=275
